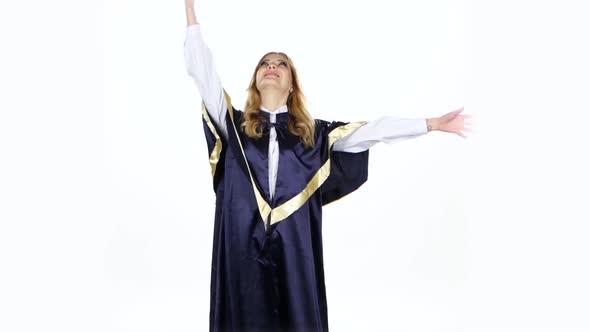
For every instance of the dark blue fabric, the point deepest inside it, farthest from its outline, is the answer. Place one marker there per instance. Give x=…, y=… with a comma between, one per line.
x=273, y=280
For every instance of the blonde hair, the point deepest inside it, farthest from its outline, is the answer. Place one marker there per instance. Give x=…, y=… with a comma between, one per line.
x=301, y=123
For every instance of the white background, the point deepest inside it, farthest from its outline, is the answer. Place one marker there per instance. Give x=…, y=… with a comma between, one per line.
x=106, y=201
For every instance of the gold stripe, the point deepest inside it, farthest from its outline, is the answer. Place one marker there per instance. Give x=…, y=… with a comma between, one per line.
x=216, y=153
x=286, y=209
x=263, y=206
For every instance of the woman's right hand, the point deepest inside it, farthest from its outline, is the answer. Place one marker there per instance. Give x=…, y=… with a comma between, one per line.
x=190, y=12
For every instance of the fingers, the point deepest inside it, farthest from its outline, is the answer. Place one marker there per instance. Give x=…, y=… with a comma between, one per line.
x=453, y=114
x=465, y=125
x=470, y=122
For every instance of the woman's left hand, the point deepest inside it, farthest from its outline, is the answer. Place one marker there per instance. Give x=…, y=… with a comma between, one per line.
x=452, y=122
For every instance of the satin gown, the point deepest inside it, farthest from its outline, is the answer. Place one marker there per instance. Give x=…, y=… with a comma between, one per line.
x=267, y=268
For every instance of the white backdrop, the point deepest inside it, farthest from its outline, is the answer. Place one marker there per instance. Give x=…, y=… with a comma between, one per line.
x=106, y=201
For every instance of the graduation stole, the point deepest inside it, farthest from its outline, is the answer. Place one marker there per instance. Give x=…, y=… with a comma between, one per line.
x=283, y=211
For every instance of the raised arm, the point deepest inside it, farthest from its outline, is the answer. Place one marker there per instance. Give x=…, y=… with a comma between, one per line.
x=191, y=18
x=201, y=67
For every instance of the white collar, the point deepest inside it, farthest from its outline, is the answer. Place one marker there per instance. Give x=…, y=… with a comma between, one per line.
x=282, y=109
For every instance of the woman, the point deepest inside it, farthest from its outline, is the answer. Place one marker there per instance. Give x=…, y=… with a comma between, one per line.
x=274, y=167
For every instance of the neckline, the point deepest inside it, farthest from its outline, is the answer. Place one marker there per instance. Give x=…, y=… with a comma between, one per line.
x=282, y=109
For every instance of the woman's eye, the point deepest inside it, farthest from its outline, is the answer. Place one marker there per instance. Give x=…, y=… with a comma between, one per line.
x=266, y=63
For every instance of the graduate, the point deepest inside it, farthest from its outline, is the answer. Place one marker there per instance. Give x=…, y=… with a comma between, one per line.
x=274, y=166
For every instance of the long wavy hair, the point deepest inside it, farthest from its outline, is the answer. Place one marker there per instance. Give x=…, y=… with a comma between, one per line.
x=301, y=123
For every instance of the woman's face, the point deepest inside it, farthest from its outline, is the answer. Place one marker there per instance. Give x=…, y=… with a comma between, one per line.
x=274, y=73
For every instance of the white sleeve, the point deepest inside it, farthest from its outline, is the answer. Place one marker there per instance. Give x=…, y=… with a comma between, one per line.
x=201, y=67
x=386, y=129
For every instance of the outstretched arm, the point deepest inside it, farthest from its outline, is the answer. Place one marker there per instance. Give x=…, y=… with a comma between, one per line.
x=391, y=129
x=387, y=129
x=201, y=67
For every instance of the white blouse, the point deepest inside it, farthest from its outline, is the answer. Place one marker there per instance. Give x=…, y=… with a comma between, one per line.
x=201, y=67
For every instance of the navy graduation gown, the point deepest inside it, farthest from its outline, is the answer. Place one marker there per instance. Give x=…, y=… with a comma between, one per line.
x=267, y=269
